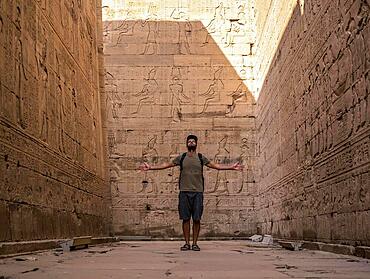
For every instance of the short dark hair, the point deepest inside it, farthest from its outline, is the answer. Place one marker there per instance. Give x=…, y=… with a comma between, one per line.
x=192, y=137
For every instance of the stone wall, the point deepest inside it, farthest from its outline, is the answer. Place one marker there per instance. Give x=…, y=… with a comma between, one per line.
x=313, y=121
x=174, y=68
x=52, y=182
x=301, y=68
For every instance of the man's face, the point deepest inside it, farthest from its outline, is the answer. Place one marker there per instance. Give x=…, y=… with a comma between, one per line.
x=191, y=144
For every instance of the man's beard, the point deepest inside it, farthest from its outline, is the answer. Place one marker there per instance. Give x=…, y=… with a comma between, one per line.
x=192, y=147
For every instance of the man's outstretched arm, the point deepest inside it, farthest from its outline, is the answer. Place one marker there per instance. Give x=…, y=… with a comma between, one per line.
x=146, y=166
x=236, y=166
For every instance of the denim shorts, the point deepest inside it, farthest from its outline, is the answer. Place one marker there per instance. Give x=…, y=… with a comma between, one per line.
x=190, y=205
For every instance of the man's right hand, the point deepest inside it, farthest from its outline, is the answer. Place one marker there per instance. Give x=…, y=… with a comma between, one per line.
x=144, y=167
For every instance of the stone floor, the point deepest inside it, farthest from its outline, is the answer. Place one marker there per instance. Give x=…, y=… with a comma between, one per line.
x=217, y=259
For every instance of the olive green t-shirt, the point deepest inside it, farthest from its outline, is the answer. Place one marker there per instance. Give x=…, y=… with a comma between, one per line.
x=191, y=178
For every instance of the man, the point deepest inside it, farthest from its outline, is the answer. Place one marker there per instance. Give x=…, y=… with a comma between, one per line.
x=191, y=184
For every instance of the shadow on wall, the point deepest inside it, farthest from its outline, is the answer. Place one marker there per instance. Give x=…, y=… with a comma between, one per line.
x=174, y=70
x=165, y=79
x=314, y=127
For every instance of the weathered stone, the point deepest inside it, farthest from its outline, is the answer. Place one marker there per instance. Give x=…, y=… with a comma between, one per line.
x=316, y=55
x=267, y=239
x=230, y=259
x=168, y=76
x=256, y=238
x=48, y=85
x=362, y=251
x=294, y=246
x=5, y=234
x=281, y=87
x=76, y=243
x=7, y=248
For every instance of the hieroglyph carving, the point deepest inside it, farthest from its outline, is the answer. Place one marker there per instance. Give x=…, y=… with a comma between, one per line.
x=222, y=157
x=171, y=172
x=60, y=98
x=43, y=81
x=178, y=97
x=239, y=94
x=20, y=72
x=244, y=160
x=1, y=24
x=150, y=87
x=218, y=24
x=185, y=31
x=151, y=39
x=150, y=155
x=212, y=94
x=113, y=100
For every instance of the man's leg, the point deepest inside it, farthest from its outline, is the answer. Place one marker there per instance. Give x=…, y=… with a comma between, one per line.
x=196, y=229
x=186, y=230
x=197, y=216
x=185, y=216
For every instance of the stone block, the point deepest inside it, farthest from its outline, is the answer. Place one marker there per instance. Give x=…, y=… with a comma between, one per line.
x=338, y=249
x=309, y=228
x=5, y=233
x=76, y=243
x=324, y=226
x=267, y=239
x=363, y=228
x=344, y=227
x=7, y=248
x=256, y=238
x=290, y=245
x=362, y=251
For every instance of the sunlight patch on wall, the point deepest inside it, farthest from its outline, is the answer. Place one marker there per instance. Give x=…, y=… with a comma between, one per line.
x=272, y=18
x=229, y=24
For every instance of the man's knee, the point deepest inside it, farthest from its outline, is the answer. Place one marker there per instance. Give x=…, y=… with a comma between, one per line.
x=186, y=221
x=196, y=222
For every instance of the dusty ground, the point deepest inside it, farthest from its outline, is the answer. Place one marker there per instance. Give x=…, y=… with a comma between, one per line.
x=217, y=259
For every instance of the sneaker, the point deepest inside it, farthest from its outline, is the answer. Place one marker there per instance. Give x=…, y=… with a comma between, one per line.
x=195, y=247
x=186, y=247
